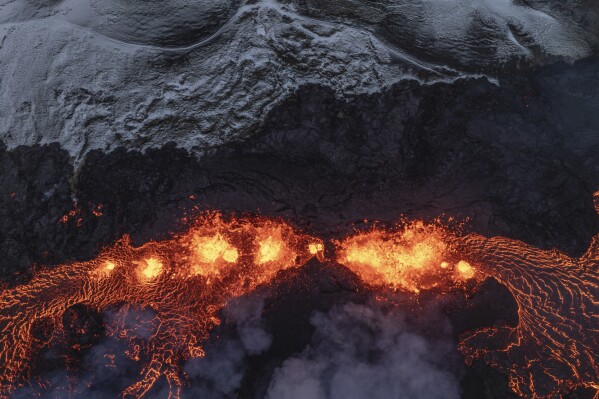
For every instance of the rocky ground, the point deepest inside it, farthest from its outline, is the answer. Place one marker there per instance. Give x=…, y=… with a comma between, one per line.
x=519, y=159
x=111, y=73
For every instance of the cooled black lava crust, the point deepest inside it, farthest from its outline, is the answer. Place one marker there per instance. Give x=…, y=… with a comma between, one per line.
x=518, y=159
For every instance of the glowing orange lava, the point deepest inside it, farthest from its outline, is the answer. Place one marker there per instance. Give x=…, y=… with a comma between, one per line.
x=185, y=281
x=211, y=254
x=149, y=269
x=410, y=257
x=315, y=248
x=555, y=347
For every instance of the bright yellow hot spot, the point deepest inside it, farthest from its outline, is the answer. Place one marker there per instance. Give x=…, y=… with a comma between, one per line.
x=315, y=248
x=230, y=255
x=407, y=259
x=391, y=258
x=466, y=271
x=444, y=265
x=150, y=268
x=365, y=254
x=210, y=248
x=105, y=269
x=212, y=254
x=269, y=250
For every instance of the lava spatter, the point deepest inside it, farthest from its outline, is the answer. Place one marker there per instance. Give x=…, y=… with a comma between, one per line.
x=185, y=281
x=553, y=350
x=412, y=257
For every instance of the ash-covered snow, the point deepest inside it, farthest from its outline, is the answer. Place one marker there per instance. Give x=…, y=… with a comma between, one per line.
x=102, y=74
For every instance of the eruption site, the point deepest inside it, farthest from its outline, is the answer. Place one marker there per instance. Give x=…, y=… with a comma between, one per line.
x=186, y=280
x=299, y=199
x=552, y=351
x=412, y=258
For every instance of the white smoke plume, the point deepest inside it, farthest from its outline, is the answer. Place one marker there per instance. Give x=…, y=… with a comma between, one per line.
x=361, y=351
x=357, y=352
x=219, y=374
x=216, y=376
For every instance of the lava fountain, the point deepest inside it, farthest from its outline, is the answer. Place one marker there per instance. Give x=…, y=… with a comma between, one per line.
x=185, y=281
x=552, y=351
x=410, y=256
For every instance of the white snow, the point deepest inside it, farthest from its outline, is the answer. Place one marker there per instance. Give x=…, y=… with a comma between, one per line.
x=101, y=74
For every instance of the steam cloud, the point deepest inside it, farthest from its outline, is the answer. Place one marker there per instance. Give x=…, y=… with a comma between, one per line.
x=359, y=351
x=218, y=375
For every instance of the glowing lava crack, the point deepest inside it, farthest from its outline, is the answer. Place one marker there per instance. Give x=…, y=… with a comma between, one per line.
x=186, y=280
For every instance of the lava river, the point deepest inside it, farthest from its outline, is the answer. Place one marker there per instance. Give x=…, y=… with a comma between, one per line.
x=187, y=279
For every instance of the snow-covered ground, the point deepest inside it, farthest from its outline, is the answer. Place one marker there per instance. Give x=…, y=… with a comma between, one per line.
x=97, y=74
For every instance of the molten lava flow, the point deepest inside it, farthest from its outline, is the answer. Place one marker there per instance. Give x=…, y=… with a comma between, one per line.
x=412, y=257
x=555, y=347
x=184, y=281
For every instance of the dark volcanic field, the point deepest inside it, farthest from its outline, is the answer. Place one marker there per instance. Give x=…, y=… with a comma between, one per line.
x=519, y=160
